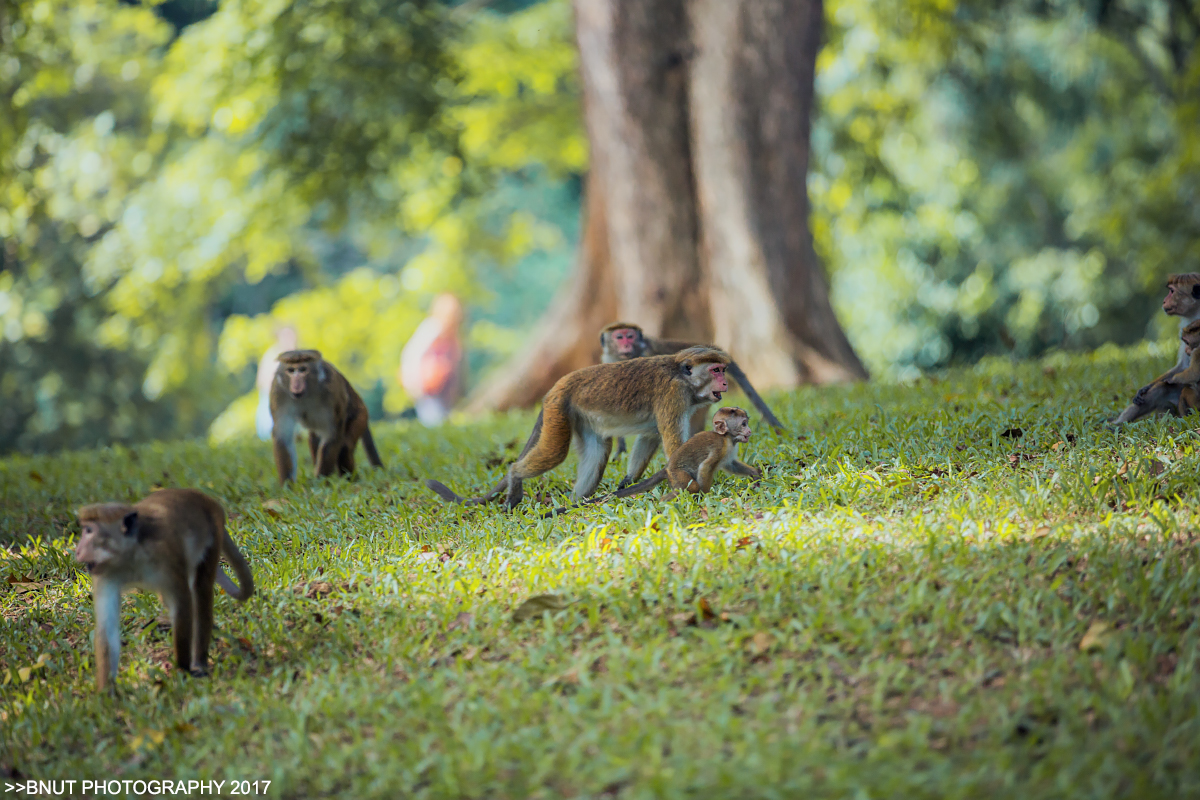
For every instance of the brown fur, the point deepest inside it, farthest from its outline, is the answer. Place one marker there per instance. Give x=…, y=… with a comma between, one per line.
x=170, y=543
x=653, y=398
x=309, y=391
x=1188, y=379
x=694, y=465
x=643, y=345
x=1182, y=300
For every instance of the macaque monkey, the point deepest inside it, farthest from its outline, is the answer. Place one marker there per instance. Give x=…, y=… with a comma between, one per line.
x=622, y=341
x=1188, y=380
x=652, y=398
x=1182, y=300
x=694, y=465
x=169, y=543
x=309, y=391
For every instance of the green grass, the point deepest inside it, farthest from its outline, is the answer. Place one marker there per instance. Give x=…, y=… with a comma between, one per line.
x=896, y=611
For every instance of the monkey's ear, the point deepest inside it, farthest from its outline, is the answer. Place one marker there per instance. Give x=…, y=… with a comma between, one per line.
x=720, y=427
x=322, y=375
x=130, y=523
x=602, y=337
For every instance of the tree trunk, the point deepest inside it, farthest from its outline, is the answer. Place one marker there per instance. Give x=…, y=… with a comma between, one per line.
x=696, y=212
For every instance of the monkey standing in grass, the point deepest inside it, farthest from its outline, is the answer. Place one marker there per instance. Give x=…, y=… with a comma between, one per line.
x=308, y=391
x=169, y=543
x=653, y=398
x=622, y=341
x=1182, y=300
x=694, y=465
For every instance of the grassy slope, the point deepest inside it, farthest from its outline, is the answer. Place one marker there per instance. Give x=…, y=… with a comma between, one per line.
x=896, y=611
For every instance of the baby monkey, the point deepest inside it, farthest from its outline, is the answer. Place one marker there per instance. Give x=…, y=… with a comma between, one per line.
x=1189, y=378
x=694, y=464
x=170, y=543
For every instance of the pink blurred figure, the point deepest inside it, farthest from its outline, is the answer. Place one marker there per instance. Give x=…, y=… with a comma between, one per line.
x=431, y=362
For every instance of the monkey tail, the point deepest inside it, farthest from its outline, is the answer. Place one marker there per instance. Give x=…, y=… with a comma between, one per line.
x=736, y=373
x=534, y=435
x=443, y=491
x=369, y=446
x=628, y=491
x=245, y=579
x=450, y=496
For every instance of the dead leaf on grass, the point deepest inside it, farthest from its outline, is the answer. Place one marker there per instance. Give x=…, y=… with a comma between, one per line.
x=1096, y=637
x=36, y=476
x=759, y=643
x=745, y=541
x=274, y=507
x=462, y=621
x=537, y=605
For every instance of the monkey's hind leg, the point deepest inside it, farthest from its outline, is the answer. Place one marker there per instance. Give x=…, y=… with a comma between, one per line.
x=202, y=590
x=644, y=448
x=327, y=457
x=547, y=447
x=593, y=452
x=182, y=623
x=1159, y=396
x=1189, y=401
x=346, y=460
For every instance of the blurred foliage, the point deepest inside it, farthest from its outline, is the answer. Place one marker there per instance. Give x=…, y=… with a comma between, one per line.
x=179, y=179
x=1005, y=177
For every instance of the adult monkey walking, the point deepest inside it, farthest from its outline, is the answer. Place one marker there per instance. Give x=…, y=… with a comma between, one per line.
x=622, y=341
x=651, y=398
x=1182, y=300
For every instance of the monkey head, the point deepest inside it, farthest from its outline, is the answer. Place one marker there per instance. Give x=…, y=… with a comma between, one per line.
x=1190, y=336
x=110, y=534
x=733, y=422
x=704, y=370
x=1183, y=295
x=622, y=340
x=295, y=369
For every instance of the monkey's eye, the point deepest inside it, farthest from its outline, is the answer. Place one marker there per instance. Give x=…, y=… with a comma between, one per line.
x=687, y=370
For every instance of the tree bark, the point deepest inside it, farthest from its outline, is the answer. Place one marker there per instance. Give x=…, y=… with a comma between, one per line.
x=697, y=114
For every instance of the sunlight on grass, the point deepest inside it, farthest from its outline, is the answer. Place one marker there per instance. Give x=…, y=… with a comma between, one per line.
x=961, y=587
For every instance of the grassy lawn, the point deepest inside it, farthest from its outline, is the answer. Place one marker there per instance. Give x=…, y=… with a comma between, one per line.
x=965, y=587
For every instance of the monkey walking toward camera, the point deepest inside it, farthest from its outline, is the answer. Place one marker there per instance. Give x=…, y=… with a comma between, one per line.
x=652, y=398
x=622, y=341
x=1182, y=300
x=694, y=465
x=169, y=543
x=310, y=392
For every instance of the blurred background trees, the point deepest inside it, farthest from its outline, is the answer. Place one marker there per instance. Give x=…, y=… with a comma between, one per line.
x=179, y=179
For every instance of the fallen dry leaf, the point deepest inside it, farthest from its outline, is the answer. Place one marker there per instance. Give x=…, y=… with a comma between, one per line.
x=537, y=605
x=462, y=621
x=1095, y=637
x=760, y=643
x=274, y=507
x=34, y=475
